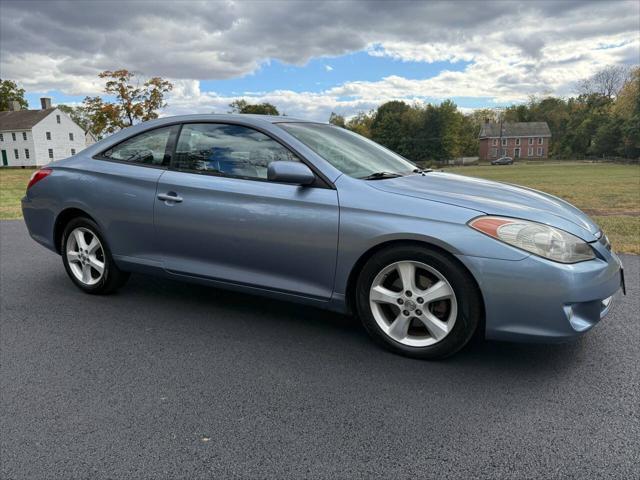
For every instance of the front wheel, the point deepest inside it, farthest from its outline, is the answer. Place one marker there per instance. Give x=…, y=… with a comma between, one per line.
x=87, y=258
x=418, y=302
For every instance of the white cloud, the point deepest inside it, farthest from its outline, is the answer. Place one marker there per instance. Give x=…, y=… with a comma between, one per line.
x=513, y=49
x=328, y=68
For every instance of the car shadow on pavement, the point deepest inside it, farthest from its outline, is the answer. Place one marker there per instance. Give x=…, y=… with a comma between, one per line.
x=266, y=314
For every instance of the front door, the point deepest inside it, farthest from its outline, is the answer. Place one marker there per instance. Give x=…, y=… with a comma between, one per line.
x=4, y=158
x=516, y=153
x=218, y=217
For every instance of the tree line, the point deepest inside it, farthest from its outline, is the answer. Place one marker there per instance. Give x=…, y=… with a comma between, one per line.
x=603, y=119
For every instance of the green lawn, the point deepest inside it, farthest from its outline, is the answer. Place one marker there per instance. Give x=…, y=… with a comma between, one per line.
x=13, y=183
x=609, y=193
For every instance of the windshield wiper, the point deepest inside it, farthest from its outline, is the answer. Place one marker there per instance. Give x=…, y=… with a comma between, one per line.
x=422, y=170
x=381, y=175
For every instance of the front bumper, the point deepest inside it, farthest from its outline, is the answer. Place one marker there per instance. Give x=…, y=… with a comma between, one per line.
x=537, y=300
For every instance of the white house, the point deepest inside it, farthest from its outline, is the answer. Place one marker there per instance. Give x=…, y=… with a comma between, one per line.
x=36, y=137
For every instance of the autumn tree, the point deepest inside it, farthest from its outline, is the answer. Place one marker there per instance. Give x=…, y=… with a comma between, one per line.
x=337, y=120
x=361, y=123
x=242, y=106
x=135, y=101
x=11, y=92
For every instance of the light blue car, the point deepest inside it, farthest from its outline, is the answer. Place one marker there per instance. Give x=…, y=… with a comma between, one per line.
x=313, y=213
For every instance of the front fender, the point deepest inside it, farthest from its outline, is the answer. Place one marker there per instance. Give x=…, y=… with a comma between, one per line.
x=371, y=217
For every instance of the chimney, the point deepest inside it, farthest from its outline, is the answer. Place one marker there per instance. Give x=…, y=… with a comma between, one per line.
x=45, y=103
x=14, y=105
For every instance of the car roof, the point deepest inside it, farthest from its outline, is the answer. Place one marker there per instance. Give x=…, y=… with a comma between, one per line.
x=236, y=116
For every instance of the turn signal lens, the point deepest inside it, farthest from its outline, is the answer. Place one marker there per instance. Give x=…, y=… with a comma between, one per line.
x=537, y=238
x=37, y=176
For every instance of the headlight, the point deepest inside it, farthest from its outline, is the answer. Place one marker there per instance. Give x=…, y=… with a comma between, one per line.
x=543, y=240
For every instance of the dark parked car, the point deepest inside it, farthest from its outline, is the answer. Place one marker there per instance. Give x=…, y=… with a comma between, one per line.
x=503, y=161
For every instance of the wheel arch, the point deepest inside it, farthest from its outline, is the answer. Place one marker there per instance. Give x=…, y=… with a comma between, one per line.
x=62, y=220
x=362, y=260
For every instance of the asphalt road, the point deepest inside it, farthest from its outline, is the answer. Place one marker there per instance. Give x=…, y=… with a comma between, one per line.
x=171, y=380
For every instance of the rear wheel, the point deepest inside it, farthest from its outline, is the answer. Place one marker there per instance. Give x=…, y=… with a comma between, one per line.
x=418, y=302
x=87, y=258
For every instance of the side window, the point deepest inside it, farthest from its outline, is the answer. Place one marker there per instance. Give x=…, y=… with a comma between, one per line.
x=231, y=150
x=148, y=148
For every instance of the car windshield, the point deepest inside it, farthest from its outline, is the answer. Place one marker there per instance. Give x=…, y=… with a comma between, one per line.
x=349, y=152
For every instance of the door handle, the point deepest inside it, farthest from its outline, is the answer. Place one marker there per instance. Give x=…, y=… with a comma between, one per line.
x=170, y=197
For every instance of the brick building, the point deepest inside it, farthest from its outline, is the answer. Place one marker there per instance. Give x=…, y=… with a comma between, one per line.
x=517, y=140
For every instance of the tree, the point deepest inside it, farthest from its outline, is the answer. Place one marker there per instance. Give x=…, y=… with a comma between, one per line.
x=11, y=92
x=338, y=120
x=242, y=106
x=627, y=109
x=361, y=123
x=134, y=102
x=386, y=125
x=606, y=140
x=628, y=98
x=606, y=82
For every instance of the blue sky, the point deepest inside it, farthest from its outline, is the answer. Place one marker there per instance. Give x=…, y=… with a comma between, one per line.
x=323, y=73
x=317, y=75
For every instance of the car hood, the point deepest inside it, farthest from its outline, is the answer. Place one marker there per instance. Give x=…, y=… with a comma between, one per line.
x=493, y=198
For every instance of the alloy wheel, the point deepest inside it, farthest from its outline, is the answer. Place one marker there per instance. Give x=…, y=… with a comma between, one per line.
x=413, y=303
x=85, y=256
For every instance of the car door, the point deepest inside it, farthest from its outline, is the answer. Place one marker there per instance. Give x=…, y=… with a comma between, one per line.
x=217, y=216
x=118, y=187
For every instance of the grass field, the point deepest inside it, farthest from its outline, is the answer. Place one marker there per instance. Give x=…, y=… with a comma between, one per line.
x=609, y=193
x=13, y=183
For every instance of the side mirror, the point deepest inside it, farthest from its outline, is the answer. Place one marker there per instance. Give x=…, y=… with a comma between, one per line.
x=290, y=172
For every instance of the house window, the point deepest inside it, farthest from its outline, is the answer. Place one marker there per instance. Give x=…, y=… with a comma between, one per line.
x=26, y=153
x=540, y=141
x=15, y=152
x=494, y=152
x=24, y=136
x=531, y=141
x=13, y=136
x=51, y=153
x=494, y=142
x=58, y=118
x=504, y=142
x=73, y=151
x=1, y=137
x=530, y=152
x=71, y=136
x=48, y=135
x=540, y=151
x=504, y=152
x=517, y=141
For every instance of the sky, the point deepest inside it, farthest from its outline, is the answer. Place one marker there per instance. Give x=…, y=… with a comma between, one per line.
x=310, y=58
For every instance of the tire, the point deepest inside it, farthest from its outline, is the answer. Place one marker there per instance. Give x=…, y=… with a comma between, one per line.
x=457, y=315
x=78, y=260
